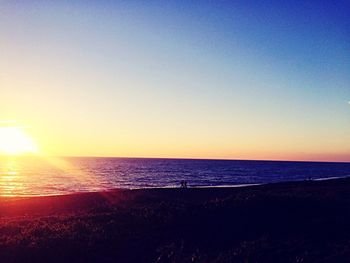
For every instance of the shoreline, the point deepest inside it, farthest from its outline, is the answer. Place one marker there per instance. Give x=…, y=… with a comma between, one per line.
x=84, y=199
x=175, y=187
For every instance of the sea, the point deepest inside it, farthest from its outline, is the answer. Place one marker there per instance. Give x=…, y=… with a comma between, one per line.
x=32, y=176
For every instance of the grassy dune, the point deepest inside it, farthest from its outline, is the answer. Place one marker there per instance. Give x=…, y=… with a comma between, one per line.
x=289, y=222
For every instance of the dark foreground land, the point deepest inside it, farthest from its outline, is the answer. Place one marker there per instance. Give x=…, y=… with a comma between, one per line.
x=289, y=222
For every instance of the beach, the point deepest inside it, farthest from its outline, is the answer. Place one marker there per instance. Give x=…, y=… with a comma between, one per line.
x=284, y=222
x=174, y=131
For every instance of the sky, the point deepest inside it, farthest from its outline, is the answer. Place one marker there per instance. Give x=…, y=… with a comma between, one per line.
x=183, y=79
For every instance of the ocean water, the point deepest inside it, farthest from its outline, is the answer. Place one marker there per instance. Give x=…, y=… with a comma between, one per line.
x=51, y=176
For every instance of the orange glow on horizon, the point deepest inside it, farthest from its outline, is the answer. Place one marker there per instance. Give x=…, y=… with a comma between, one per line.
x=16, y=140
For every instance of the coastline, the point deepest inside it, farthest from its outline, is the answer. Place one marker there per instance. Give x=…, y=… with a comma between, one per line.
x=127, y=194
x=14, y=196
x=280, y=222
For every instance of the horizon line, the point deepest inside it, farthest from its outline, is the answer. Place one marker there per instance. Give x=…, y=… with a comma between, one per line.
x=182, y=158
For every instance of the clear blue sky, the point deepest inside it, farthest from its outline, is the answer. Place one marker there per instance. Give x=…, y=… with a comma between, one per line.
x=213, y=79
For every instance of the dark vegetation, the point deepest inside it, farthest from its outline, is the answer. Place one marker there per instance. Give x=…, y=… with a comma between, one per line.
x=289, y=222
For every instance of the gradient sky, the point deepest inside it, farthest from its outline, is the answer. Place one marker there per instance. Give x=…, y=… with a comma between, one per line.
x=202, y=79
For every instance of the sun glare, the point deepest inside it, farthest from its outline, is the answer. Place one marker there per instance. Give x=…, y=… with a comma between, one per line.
x=14, y=141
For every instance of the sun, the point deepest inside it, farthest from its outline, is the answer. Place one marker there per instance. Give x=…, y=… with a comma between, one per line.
x=15, y=141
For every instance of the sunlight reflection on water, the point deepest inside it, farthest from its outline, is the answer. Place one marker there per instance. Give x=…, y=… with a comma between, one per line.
x=51, y=176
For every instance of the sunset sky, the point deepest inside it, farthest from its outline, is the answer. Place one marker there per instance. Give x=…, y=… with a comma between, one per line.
x=193, y=79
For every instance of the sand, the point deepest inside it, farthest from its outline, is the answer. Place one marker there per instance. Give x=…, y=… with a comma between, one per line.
x=285, y=222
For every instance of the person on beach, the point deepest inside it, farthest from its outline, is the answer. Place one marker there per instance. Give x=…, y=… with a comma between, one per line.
x=183, y=184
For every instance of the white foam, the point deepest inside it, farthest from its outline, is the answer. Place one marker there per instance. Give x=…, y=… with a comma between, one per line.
x=330, y=178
